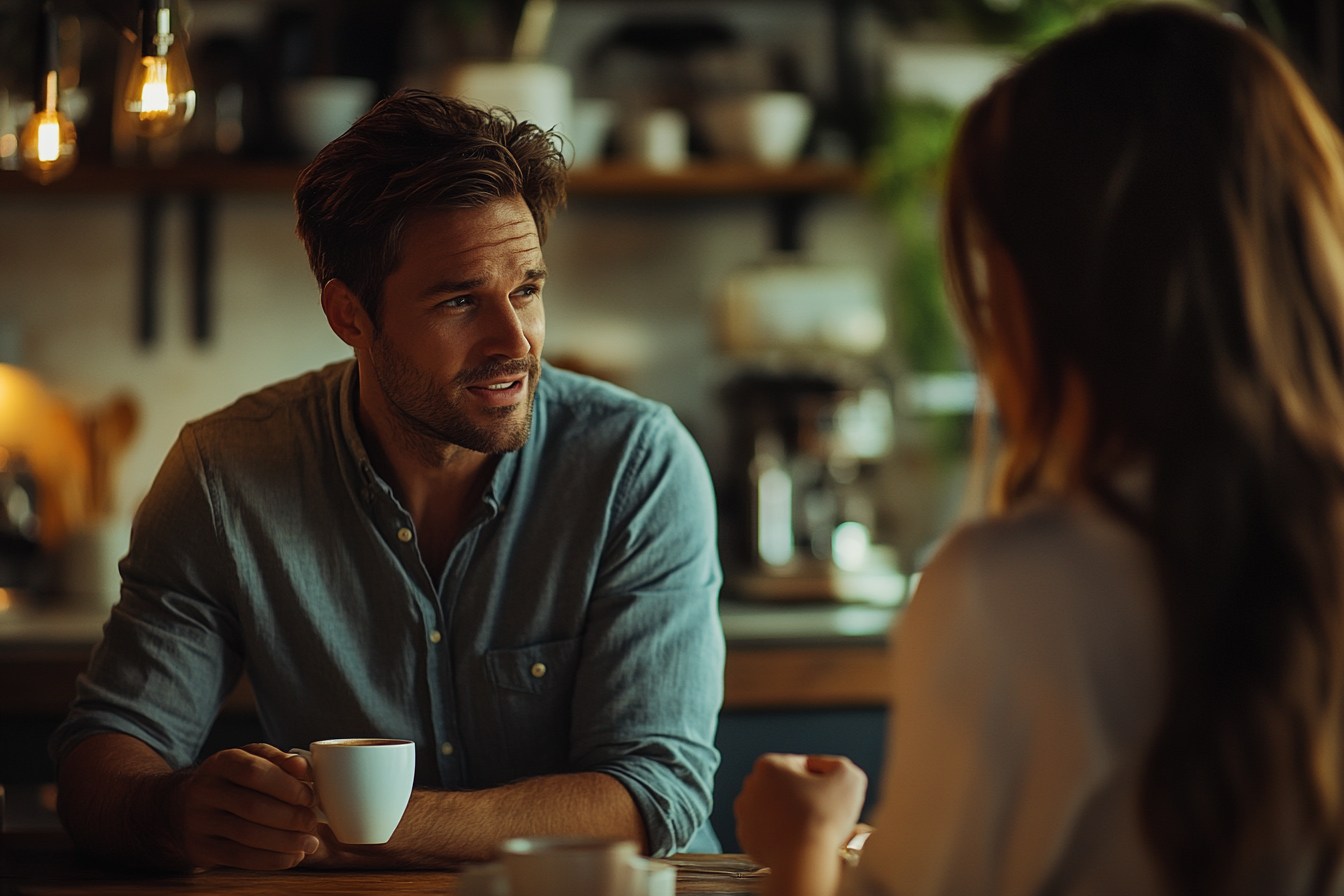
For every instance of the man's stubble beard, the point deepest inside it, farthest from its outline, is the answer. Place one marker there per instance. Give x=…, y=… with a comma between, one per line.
x=432, y=417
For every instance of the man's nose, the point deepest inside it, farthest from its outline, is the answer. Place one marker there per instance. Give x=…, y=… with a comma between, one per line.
x=504, y=331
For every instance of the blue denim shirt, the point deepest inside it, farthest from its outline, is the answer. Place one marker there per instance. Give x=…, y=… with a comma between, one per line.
x=574, y=627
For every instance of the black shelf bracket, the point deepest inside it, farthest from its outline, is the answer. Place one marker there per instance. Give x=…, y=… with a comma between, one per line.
x=204, y=209
x=151, y=237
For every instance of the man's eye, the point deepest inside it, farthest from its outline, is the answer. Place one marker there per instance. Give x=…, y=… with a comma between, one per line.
x=528, y=291
x=456, y=302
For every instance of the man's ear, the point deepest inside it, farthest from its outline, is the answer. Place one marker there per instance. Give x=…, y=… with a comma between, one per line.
x=346, y=315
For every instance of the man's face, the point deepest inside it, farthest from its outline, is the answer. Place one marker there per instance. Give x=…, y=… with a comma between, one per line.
x=458, y=349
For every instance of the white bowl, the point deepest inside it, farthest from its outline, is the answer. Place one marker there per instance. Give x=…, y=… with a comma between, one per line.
x=768, y=127
x=318, y=110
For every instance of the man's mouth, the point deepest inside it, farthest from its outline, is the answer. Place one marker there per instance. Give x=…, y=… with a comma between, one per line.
x=499, y=393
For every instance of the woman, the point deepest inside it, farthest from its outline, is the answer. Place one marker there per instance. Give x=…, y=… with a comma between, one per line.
x=1128, y=678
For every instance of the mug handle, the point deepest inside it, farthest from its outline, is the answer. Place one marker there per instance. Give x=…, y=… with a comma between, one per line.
x=317, y=807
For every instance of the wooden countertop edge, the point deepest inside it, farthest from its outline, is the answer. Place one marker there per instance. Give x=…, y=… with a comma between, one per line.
x=754, y=678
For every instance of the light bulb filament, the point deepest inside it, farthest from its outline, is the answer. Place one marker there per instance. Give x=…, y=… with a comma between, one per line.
x=154, y=98
x=48, y=126
x=48, y=140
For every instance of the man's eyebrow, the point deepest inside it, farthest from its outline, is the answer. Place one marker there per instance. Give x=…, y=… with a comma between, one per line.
x=460, y=286
x=529, y=276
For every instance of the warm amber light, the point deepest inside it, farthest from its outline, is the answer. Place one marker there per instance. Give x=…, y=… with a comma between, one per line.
x=154, y=95
x=48, y=138
x=159, y=96
x=47, y=148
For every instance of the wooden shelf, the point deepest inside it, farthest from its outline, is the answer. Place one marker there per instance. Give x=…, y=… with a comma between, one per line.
x=715, y=179
x=212, y=177
x=704, y=179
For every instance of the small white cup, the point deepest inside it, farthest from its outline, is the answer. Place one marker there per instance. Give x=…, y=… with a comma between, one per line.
x=656, y=139
x=647, y=877
x=362, y=785
x=569, y=866
x=768, y=128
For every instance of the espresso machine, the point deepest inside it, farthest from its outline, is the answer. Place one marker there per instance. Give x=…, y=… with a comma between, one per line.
x=801, y=515
x=809, y=423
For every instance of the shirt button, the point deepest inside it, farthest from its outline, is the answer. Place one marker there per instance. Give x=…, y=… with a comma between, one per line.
x=435, y=637
x=404, y=534
x=538, y=670
x=446, y=748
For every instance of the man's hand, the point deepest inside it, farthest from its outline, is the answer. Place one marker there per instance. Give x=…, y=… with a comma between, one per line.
x=120, y=801
x=247, y=808
x=795, y=813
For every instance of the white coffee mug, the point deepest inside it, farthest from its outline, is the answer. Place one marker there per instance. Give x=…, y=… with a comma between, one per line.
x=568, y=866
x=362, y=785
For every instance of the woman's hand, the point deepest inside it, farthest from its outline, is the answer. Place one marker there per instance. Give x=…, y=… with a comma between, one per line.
x=794, y=814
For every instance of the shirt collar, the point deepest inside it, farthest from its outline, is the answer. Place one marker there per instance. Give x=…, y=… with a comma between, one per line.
x=349, y=399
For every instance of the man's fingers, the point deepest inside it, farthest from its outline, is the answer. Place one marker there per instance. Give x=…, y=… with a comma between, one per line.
x=262, y=809
x=291, y=763
x=227, y=826
x=241, y=808
x=246, y=769
x=219, y=851
x=267, y=751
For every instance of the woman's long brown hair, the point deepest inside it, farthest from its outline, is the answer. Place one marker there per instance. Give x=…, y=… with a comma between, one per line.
x=1170, y=198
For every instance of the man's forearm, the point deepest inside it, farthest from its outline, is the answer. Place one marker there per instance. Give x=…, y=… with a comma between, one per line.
x=444, y=828
x=115, y=802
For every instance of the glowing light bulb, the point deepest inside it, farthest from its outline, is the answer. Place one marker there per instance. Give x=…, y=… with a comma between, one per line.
x=160, y=97
x=154, y=95
x=48, y=138
x=47, y=148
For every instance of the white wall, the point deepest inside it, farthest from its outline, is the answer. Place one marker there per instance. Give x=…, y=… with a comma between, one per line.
x=639, y=272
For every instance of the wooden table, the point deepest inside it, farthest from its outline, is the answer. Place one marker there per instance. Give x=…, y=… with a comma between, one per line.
x=46, y=864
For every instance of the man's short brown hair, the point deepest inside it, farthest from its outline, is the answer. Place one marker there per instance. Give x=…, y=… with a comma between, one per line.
x=415, y=151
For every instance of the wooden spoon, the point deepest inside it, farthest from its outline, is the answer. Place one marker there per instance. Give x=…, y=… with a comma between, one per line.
x=113, y=427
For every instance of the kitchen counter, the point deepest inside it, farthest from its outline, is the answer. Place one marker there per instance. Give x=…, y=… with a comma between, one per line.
x=779, y=655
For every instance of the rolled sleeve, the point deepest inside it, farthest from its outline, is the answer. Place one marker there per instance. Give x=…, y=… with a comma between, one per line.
x=650, y=682
x=170, y=650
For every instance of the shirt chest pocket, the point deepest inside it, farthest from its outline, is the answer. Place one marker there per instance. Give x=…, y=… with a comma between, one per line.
x=534, y=691
x=543, y=669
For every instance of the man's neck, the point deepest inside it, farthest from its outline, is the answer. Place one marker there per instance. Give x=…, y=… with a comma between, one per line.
x=439, y=484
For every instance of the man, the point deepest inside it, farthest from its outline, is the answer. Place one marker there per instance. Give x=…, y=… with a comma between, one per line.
x=443, y=540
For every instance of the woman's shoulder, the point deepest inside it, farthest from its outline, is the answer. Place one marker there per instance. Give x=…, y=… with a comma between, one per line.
x=1047, y=540
x=1053, y=573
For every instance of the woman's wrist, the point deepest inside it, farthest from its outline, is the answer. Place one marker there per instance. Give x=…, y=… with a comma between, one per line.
x=811, y=871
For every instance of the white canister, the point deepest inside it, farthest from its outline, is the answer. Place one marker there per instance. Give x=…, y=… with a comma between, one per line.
x=533, y=91
x=656, y=138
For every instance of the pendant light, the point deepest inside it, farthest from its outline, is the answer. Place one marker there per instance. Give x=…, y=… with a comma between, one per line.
x=160, y=97
x=47, y=148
